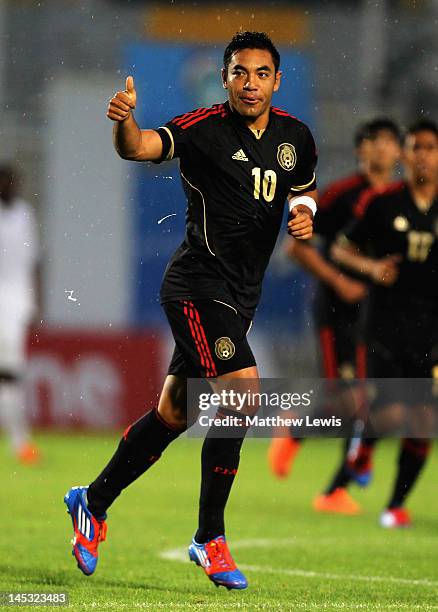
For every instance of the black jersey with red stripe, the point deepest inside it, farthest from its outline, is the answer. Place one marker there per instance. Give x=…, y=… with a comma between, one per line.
x=236, y=183
x=335, y=214
x=336, y=206
x=391, y=223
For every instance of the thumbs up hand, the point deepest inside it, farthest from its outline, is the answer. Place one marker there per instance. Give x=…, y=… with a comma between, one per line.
x=123, y=102
x=130, y=90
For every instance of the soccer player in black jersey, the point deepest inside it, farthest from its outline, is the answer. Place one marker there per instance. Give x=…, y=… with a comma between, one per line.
x=340, y=292
x=395, y=243
x=239, y=163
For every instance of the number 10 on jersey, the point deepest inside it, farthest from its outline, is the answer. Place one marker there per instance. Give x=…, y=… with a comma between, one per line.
x=268, y=184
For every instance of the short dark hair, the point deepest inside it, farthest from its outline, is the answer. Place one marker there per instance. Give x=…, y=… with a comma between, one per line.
x=370, y=130
x=7, y=169
x=423, y=125
x=251, y=40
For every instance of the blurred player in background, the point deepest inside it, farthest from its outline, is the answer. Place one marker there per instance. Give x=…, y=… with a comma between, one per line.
x=239, y=162
x=394, y=242
x=19, y=297
x=340, y=291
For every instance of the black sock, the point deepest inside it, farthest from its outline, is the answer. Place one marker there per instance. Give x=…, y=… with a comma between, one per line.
x=413, y=455
x=141, y=446
x=343, y=476
x=220, y=461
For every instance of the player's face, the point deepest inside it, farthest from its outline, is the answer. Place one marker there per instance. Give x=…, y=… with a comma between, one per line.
x=251, y=80
x=421, y=156
x=380, y=153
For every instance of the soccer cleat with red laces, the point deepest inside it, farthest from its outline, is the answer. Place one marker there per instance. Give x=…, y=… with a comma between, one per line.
x=218, y=563
x=394, y=518
x=281, y=455
x=338, y=502
x=88, y=530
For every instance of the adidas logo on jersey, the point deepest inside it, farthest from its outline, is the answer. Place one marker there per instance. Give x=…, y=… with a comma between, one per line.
x=240, y=155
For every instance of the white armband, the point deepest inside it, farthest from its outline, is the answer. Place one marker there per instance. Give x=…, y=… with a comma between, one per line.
x=303, y=199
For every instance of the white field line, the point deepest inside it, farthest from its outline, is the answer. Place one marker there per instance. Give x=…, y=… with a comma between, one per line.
x=180, y=554
x=245, y=605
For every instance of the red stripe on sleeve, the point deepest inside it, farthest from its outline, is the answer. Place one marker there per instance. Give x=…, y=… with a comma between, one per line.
x=201, y=118
x=188, y=116
x=280, y=111
x=338, y=188
x=368, y=195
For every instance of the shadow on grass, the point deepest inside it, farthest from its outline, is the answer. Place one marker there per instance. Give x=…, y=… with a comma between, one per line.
x=42, y=576
x=65, y=579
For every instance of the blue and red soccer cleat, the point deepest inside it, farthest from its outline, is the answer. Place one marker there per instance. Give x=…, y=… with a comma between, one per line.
x=362, y=475
x=360, y=466
x=215, y=557
x=88, y=531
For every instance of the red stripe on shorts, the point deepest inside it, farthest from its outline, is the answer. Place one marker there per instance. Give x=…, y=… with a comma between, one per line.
x=195, y=338
x=205, y=357
x=204, y=340
x=327, y=338
x=361, y=361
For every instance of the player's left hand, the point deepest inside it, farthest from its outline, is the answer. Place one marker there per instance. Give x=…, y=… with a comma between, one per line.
x=300, y=226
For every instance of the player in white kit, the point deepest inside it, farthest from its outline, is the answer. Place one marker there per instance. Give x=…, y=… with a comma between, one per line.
x=19, y=255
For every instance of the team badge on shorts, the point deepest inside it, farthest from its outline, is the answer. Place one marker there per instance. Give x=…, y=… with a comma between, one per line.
x=224, y=348
x=286, y=156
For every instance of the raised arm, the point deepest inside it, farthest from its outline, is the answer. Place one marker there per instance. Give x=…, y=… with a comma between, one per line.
x=129, y=141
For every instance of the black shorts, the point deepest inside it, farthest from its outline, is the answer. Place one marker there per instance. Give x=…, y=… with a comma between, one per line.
x=338, y=326
x=210, y=338
x=404, y=345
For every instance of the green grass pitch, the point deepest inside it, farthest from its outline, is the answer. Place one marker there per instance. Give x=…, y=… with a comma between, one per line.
x=294, y=559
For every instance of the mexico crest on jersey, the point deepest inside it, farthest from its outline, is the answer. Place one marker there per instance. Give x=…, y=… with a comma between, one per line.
x=224, y=348
x=286, y=156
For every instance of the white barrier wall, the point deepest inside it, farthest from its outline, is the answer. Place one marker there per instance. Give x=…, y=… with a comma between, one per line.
x=86, y=221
